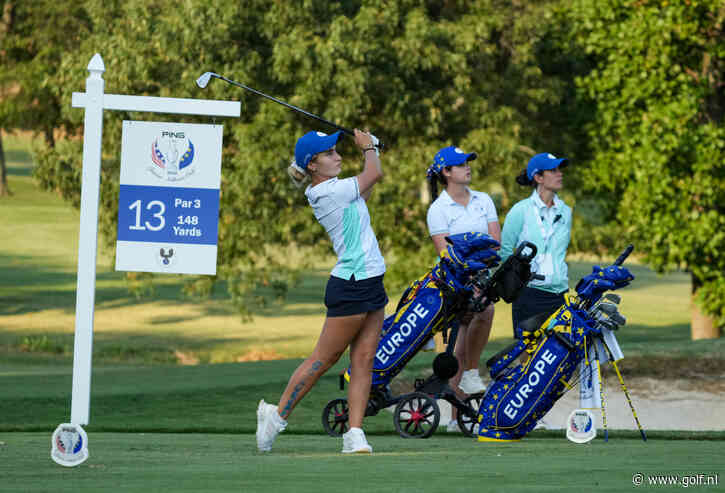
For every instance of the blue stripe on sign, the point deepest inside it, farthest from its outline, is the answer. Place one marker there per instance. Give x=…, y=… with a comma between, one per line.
x=168, y=214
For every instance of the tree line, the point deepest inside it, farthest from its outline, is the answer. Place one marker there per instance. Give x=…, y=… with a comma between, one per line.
x=631, y=91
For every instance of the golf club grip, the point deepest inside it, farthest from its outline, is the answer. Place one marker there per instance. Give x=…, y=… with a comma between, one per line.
x=624, y=255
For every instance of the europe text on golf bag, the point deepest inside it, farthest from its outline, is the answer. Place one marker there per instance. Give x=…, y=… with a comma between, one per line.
x=523, y=393
x=432, y=303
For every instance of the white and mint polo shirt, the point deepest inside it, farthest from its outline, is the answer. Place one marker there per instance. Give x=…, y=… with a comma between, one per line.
x=446, y=216
x=344, y=215
x=549, y=228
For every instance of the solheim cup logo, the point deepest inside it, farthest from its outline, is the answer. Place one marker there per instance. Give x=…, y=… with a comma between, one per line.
x=580, y=426
x=69, y=445
x=172, y=155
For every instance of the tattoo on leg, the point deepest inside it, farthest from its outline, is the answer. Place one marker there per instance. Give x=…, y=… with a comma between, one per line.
x=298, y=388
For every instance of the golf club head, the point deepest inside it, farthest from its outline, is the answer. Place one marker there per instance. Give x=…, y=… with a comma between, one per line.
x=204, y=79
x=608, y=311
x=613, y=298
x=608, y=308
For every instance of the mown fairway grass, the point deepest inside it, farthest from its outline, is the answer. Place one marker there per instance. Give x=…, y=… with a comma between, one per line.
x=192, y=429
x=136, y=462
x=167, y=427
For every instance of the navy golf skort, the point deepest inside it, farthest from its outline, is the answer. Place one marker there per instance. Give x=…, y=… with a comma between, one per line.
x=343, y=297
x=532, y=301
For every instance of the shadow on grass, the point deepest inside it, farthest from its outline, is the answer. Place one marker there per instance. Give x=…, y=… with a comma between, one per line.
x=17, y=157
x=135, y=347
x=18, y=170
x=28, y=287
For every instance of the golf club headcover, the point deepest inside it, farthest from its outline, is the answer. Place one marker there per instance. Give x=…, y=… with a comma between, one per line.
x=471, y=252
x=466, y=243
x=603, y=279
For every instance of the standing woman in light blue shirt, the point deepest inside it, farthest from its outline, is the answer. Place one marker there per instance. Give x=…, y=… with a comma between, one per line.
x=458, y=209
x=355, y=296
x=544, y=220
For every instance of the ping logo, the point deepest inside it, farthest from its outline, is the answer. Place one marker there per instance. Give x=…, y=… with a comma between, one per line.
x=176, y=135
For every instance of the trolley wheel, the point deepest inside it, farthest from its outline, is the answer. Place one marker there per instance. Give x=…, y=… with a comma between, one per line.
x=468, y=425
x=335, y=417
x=416, y=416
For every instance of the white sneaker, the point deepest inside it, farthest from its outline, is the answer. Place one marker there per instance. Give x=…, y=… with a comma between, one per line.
x=471, y=382
x=269, y=424
x=542, y=425
x=354, y=442
x=452, y=426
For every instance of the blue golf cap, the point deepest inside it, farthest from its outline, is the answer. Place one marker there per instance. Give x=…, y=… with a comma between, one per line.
x=313, y=143
x=449, y=156
x=542, y=162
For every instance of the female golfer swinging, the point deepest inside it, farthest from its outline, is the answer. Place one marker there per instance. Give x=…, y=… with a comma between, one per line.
x=355, y=297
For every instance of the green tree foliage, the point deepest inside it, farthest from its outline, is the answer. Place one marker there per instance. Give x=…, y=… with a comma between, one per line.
x=35, y=36
x=486, y=75
x=658, y=143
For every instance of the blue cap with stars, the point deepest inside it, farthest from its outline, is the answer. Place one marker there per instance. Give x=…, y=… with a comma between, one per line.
x=449, y=156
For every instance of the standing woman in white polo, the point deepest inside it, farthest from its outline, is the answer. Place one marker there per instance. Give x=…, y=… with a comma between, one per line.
x=458, y=209
x=355, y=296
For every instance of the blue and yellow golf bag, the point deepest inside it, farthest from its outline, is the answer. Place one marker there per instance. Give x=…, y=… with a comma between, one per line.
x=522, y=393
x=431, y=304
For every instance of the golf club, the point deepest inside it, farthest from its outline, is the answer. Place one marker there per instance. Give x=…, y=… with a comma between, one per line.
x=610, y=310
x=612, y=298
x=601, y=399
x=204, y=79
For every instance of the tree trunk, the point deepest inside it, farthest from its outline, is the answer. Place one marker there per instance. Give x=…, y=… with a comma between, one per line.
x=703, y=326
x=4, y=189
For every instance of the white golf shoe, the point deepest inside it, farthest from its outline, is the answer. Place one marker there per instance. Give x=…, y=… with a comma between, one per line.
x=269, y=425
x=471, y=382
x=354, y=442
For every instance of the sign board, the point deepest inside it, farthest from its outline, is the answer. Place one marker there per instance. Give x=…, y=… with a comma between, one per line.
x=168, y=205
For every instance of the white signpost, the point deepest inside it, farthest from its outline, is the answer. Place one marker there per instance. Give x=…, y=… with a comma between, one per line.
x=69, y=444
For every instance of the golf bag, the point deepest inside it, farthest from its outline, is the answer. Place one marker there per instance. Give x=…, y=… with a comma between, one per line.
x=438, y=300
x=431, y=304
x=556, y=345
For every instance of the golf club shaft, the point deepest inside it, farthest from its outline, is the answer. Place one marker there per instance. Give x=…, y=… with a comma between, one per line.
x=601, y=398
x=290, y=106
